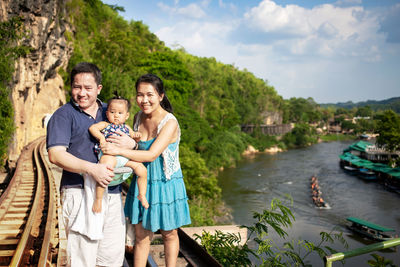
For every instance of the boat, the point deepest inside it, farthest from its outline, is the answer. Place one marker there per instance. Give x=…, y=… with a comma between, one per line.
x=316, y=194
x=350, y=169
x=366, y=174
x=370, y=230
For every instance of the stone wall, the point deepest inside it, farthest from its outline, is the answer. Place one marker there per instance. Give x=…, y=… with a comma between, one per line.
x=36, y=87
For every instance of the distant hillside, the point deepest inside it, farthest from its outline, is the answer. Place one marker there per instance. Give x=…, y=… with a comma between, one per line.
x=391, y=103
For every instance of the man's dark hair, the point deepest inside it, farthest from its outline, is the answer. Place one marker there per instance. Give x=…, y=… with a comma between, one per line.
x=86, y=67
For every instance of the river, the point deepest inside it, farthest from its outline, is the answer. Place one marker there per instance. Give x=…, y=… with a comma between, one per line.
x=256, y=181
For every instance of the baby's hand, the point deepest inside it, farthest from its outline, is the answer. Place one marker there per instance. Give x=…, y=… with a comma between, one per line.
x=136, y=136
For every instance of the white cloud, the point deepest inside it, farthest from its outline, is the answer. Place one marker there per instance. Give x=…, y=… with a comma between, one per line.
x=190, y=11
x=302, y=52
x=295, y=20
x=200, y=37
x=325, y=30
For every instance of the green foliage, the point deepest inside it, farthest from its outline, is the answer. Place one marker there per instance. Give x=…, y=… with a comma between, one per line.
x=347, y=125
x=391, y=103
x=365, y=125
x=199, y=180
x=226, y=248
x=10, y=32
x=6, y=123
x=196, y=131
x=365, y=111
x=115, y=45
x=388, y=128
x=224, y=149
x=380, y=261
x=389, y=131
x=220, y=89
x=290, y=254
x=203, y=211
x=303, y=110
x=302, y=135
x=261, y=141
x=177, y=79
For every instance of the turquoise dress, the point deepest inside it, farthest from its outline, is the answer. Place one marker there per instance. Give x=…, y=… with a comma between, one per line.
x=166, y=192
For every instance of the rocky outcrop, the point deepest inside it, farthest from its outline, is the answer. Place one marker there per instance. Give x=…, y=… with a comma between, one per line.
x=36, y=87
x=271, y=117
x=250, y=151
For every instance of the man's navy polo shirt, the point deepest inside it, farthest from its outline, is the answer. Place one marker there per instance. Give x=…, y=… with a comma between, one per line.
x=69, y=127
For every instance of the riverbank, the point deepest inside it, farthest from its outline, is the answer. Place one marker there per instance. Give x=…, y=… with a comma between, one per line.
x=256, y=181
x=251, y=151
x=337, y=137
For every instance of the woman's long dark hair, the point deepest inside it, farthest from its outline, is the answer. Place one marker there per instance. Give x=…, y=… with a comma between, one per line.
x=158, y=84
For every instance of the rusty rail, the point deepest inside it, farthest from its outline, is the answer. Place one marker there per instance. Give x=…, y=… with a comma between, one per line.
x=26, y=211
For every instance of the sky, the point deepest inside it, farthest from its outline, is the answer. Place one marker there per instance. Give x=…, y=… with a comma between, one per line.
x=332, y=51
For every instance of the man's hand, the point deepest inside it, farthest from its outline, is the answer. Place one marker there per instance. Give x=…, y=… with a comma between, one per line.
x=101, y=173
x=121, y=140
x=102, y=142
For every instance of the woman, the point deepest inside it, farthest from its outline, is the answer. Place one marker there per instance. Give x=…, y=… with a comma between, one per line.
x=159, y=150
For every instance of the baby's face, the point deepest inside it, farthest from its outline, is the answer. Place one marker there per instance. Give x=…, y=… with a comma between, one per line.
x=117, y=112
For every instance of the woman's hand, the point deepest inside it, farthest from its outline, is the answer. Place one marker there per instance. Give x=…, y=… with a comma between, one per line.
x=121, y=140
x=110, y=148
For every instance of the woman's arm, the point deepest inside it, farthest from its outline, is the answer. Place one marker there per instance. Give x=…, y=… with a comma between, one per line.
x=167, y=135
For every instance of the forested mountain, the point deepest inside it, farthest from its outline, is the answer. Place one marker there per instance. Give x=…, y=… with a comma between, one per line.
x=210, y=99
x=391, y=103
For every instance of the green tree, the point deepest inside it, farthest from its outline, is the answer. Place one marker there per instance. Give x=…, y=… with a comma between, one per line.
x=365, y=111
x=226, y=249
x=303, y=110
x=10, y=32
x=348, y=125
x=302, y=135
x=388, y=129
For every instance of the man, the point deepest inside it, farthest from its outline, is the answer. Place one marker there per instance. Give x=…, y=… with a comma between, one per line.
x=71, y=147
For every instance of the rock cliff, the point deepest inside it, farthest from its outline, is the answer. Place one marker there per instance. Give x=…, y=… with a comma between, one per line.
x=272, y=117
x=36, y=87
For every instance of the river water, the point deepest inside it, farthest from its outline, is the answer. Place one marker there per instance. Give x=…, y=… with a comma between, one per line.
x=256, y=181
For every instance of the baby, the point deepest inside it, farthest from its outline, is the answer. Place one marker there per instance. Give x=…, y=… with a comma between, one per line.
x=117, y=113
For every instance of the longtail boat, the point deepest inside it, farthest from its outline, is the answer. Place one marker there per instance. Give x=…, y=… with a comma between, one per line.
x=370, y=230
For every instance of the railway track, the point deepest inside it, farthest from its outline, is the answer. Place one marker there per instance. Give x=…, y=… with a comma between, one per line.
x=30, y=233
x=28, y=212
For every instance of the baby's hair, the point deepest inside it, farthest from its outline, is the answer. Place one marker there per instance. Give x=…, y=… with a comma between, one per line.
x=120, y=98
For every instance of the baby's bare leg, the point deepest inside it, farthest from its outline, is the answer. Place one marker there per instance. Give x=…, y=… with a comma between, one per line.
x=109, y=161
x=141, y=173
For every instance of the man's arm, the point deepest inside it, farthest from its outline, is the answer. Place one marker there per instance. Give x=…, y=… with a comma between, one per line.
x=59, y=156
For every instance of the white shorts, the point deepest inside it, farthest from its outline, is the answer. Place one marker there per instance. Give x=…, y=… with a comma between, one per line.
x=109, y=251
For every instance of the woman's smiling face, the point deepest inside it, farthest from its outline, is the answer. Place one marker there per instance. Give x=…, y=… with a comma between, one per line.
x=148, y=98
